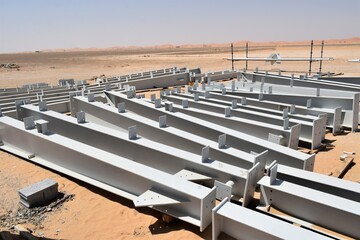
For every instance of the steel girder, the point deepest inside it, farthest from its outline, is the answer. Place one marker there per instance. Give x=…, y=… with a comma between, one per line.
x=350, y=106
x=296, y=82
x=111, y=117
x=165, y=158
x=306, y=131
x=335, y=186
x=282, y=135
x=351, y=81
x=239, y=104
x=242, y=223
x=144, y=185
x=334, y=116
x=329, y=211
x=212, y=131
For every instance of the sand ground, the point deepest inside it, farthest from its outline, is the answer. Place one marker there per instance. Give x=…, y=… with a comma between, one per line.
x=96, y=214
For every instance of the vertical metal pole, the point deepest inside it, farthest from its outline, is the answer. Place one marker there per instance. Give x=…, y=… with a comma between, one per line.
x=311, y=53
x=246, y=55
x=232, y=57
x=321, y=56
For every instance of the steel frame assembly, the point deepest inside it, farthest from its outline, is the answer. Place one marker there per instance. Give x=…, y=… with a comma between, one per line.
x=349, y=106
x=306, y=128
x=160, y=131
x=144, y=185
x=165, y=158
x=212, y=131
x=334, y=117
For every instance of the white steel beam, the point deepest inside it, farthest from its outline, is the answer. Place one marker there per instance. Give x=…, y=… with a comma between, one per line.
x=287, y=136
x=183, y=199
x=165, y=158
x=212, y=131
x=307, y=128
x=243, y=223
x=335, y=186
x=349, y=105
x=320, y=208
x=335, y=117
x=109, y=116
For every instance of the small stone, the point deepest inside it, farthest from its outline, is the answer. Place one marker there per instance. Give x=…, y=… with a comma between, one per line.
x=40, y=234
x=48, y=209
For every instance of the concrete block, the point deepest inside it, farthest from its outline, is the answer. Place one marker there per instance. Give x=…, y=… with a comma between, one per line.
x=39, y=193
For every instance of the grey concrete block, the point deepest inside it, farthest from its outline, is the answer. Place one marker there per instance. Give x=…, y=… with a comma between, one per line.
x=39, y=193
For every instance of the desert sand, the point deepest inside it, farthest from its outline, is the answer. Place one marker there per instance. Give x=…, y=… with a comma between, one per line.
x=97, y=214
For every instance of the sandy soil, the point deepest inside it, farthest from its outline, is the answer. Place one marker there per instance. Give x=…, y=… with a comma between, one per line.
x=49, y=67
x=96, y=214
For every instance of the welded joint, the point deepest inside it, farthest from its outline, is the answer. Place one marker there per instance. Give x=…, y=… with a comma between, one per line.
x=196, y=96
x=107, y=87
x=43, y=106
x=121, y=107
x=130, y=94
x=207, y=94
x=42, y=126
x=223, y=190
x=222, y=141
x=80, y=116
x=169, y=106
x=205, y=151
x=227, y=112
x=251, y=89
x=157, y=103
x=286, y=123
x=233, y=86
x=132, y=131
x=270, y=89
x=234, y=104
x=91, y=97
x=185, y=103
x=163, y=121
x=292, y=108
x=308, y=103
x=318, y=92
x=223, y=91
x=285, y=113
x=29, y=123
x=273, y=173
x=243, y=101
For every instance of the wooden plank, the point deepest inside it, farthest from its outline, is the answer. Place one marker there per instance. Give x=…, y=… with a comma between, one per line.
x=341, y=170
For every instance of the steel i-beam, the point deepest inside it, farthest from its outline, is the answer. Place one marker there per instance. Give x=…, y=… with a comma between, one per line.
x=144, y=185
x=212, y=131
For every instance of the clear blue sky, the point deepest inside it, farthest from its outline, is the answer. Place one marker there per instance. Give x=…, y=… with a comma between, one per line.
x=27, y=25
